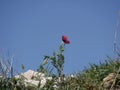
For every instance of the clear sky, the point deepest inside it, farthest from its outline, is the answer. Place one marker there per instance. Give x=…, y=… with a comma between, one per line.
x=30, y=29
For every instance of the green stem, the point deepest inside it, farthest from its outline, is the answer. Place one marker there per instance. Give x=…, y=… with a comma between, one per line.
x=60, y=76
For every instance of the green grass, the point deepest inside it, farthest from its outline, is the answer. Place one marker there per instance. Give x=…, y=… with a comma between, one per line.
x=92, y=78
x=89, y=79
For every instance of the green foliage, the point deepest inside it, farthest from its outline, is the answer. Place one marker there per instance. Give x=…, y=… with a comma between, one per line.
x=102, y=76
x=92, y=78
x=57, y=62
x=89, y=79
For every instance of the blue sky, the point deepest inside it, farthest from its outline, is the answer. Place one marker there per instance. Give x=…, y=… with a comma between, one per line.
x=30, y=29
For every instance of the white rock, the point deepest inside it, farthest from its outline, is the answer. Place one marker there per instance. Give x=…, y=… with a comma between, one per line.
x=34, y=78
x=49, y=78
x=72, y=76
x=55, y=86
x=1, y=76
x=28, y=75
x=43, y=82
x=17, y=76
x=33, y=82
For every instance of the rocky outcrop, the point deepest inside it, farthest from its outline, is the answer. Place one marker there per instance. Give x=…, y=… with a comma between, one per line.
x=112, y=80
x=31, y=77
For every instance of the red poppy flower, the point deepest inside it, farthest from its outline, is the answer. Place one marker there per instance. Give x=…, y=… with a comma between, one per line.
x=65, y=40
